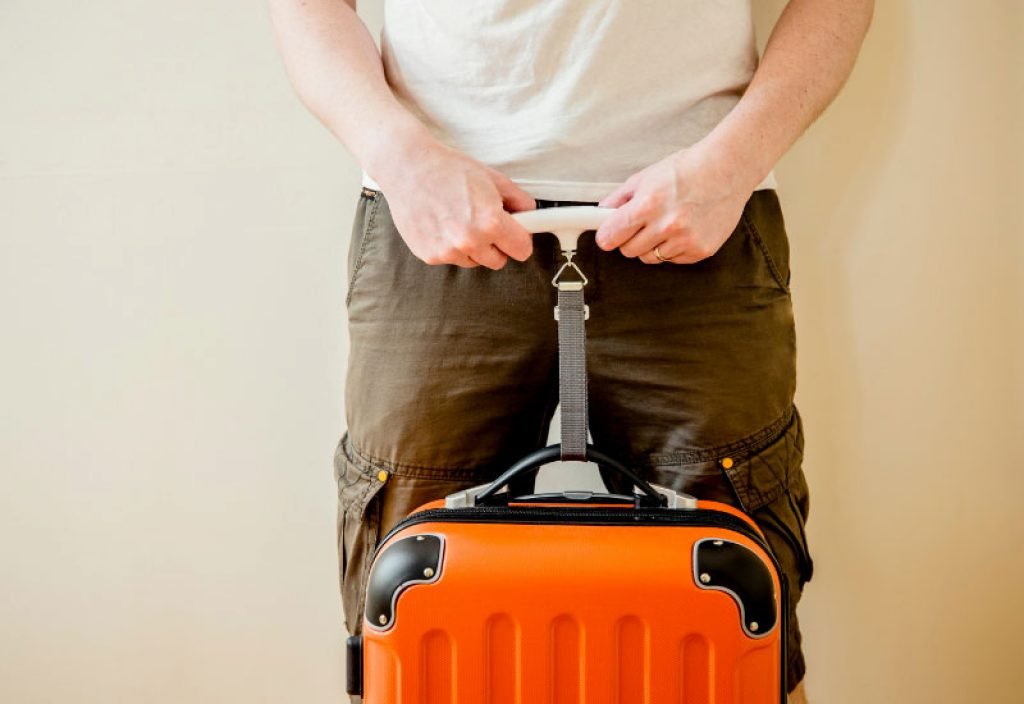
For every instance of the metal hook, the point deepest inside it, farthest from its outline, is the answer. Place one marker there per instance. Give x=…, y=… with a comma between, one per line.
x=569, y=264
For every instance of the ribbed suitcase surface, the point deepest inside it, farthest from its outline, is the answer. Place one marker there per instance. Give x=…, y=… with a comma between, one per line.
x=568, y=605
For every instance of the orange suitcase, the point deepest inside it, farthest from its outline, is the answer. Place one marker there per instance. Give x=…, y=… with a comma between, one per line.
x=581, y=598
x=498, y=597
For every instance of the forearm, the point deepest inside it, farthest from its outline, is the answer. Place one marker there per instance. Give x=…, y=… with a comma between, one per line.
x=336, y=70
x=809, y=56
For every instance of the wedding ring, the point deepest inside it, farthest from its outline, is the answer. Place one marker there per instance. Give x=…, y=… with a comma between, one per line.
x=657, y=253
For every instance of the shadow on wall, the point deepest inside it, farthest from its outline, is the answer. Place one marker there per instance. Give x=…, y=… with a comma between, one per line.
x=903, y=205
x=826, y=184
x=827, y=179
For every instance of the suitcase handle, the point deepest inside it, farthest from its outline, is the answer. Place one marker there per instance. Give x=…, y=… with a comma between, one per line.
x=651, y=495
x=569, y=497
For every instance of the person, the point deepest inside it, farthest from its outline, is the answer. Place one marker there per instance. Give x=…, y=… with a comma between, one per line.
x=661, y=110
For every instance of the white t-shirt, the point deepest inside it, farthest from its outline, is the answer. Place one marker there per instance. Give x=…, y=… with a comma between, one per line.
x=569, y=97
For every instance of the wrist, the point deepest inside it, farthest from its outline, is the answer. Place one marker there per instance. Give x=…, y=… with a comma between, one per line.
x=736, y=156
x=394, y=144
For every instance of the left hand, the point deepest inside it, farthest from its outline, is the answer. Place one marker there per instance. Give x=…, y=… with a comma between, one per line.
x=686, y=205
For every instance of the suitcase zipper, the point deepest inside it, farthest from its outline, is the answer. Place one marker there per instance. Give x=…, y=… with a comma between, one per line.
x=548, y=516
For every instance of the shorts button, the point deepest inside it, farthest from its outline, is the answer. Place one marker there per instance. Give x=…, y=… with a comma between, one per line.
x=382, y=475
x=727, y=463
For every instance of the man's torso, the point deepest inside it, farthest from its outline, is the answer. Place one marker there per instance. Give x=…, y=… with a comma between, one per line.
x=566, y=97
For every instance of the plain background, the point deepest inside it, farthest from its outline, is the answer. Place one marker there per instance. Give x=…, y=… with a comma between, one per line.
x=173, y=228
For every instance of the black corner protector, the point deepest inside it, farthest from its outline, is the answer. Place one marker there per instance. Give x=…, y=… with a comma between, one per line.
x=412, y=560
x=354, y=666
x=737, y=570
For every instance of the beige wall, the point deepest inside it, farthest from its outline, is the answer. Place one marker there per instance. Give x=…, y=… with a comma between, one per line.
x=905, y=206
x=172, y=235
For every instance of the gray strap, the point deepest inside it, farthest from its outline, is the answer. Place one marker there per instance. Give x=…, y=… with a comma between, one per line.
x=572, y=369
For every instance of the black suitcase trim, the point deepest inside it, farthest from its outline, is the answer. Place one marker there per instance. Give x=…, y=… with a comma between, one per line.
x=726, y=566
x=354, y=666
x=583, y=516
x=413, y=560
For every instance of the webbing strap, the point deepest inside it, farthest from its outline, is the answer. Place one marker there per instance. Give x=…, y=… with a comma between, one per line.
x=572, y=370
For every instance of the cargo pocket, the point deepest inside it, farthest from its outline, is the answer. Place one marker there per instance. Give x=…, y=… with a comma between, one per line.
x=358, y=526
x=770, y=485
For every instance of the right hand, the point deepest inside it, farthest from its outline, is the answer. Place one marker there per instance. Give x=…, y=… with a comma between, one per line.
x=451, y=209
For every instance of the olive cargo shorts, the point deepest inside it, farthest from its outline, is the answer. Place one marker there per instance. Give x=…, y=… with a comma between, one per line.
x=453, y=375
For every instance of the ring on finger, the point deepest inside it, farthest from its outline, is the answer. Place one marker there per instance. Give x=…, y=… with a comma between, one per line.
x=659, y=255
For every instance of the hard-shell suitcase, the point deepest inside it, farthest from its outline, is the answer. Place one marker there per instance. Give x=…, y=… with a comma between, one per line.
x=647, y=598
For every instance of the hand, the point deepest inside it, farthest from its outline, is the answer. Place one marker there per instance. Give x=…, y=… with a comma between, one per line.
x=451, y=209
x=686, y=205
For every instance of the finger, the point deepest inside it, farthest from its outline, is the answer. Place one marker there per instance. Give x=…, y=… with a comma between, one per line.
x=620, y=195
x=451, y=257
x=687, y=258
x=513, y=197
x=489, y=256
x=690, y=254
x=513, y=239
x=694, y=251
x=620, y=226
x=644, y=241
x=651, y=256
